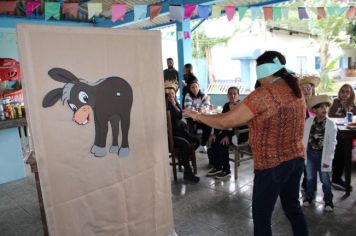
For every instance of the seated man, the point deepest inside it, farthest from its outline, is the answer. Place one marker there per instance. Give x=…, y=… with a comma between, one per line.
x=182, y=138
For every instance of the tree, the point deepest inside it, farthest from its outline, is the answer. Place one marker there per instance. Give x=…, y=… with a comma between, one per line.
x=202, y=46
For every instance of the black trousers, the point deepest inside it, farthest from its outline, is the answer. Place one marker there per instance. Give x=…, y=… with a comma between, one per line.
x=339, y=160
x=194, y=126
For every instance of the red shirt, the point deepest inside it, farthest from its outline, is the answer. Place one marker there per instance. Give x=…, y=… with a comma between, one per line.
x=276, y=131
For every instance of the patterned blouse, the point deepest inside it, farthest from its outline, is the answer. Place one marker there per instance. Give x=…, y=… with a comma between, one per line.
x=316, y=136
x=276, y=131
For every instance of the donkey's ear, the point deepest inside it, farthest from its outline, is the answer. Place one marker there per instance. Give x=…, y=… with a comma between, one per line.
x=62, y=75
x=52, y=97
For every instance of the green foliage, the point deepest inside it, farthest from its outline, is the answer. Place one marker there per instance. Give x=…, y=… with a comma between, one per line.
x=327, y=83
x=351, y=31
x=201, y=43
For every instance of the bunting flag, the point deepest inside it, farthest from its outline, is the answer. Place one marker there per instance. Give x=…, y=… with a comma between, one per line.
x=321, y=13
x=336, y=11
x=277, y=13
x=94, y=9
x=230, y=12
x=242, y=12
x=118, y=11
x=52, y=9
x=285, y=13
x=186, y=35
x=189, y=10
x=176, y=12
x=31, y=6
x=351, y=13
x=8, y=7
x=70, y=8
x=155, y=10
x=256, y=13
x=204, y=11
x=216, y=11
x=180, y=35
x=268, y=13
x=302, y=13
x=140, y=12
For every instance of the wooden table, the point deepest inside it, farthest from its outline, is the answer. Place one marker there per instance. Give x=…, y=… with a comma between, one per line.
x=347, y=135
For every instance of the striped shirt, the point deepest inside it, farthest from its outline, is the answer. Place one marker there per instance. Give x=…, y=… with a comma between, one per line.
x=196, y=102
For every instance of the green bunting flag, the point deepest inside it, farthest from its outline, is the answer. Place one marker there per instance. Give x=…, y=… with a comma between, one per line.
x=277, y=13
x=52, y=9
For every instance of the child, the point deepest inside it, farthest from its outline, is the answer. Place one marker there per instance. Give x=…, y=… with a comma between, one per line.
x=319, y=140
x=221, y=140
x=345, y=102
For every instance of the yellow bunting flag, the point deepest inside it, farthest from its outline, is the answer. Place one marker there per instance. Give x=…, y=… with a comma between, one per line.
x=216, y=11
x=94, y=9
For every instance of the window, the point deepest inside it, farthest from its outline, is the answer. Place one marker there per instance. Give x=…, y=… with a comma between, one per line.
x=317, y=63
x=301, y=65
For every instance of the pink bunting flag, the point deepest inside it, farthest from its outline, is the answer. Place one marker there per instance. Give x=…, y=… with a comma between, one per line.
x=351, y=12
x=189, y=10
x=230, y=12
x=321, y=13
x=268, y=13
x=70, y=8
x=155, y=10
x=118, y=11
x=8, y=7
x=31, y=6
x=186, y=35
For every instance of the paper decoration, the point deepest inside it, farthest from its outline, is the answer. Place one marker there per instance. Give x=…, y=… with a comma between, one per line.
x=8, y=7
x=180, y=35
x=186, y=35
x=176, y=12
x=302, y=13
x=71, y=8
x=256, y=12
x=52, y=9
x=118, y=11
x=204, y=11
x=351, y=12
x=242, y=12
x=277, y=13
x=285, y=13
x=155, y=10
x=336, y=11
x=216, y=11
x=94, y=9
x=230, y=12
x=321, y=13
x=140, y=12
x=268, y=13
x=31, y=6
x=189, y=10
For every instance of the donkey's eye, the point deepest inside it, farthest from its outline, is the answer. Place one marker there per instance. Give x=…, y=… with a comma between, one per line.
x=73, y=107
x=83, y=97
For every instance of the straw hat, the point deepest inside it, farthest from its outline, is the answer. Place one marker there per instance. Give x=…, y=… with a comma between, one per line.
x=315, y=100
x=170, y=84
x=310, y=79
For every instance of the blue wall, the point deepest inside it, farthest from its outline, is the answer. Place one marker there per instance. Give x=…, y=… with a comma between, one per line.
x=8, y=47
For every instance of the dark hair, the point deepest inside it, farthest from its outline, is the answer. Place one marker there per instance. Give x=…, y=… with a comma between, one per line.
x=352, y=95
x=233, y=88
x=189, y=67
x=290, y=79
x=169, y=59
x=320, y=104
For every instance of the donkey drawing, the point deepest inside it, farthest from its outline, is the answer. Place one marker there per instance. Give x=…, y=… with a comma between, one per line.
x=106, y=100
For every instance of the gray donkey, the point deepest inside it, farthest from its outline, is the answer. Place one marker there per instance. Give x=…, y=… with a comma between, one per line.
x=107, y=100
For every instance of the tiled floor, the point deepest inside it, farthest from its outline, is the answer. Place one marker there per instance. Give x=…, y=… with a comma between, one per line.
x=208, y=208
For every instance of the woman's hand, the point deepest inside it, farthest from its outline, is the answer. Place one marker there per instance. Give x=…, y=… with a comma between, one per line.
x=225, y=141
x=189, y=113
x=212, y=138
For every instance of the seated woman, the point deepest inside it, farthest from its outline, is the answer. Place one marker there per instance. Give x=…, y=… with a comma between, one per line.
x=182, y=138
x=345, y=102
x=196, y=99
x=221, y=140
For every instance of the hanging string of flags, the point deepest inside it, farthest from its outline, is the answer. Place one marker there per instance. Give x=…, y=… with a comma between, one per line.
x=177, y=12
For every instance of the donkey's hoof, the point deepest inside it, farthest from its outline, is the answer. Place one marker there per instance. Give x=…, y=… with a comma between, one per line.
x=114, y=149
x=98, y=151
x=124, y=152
